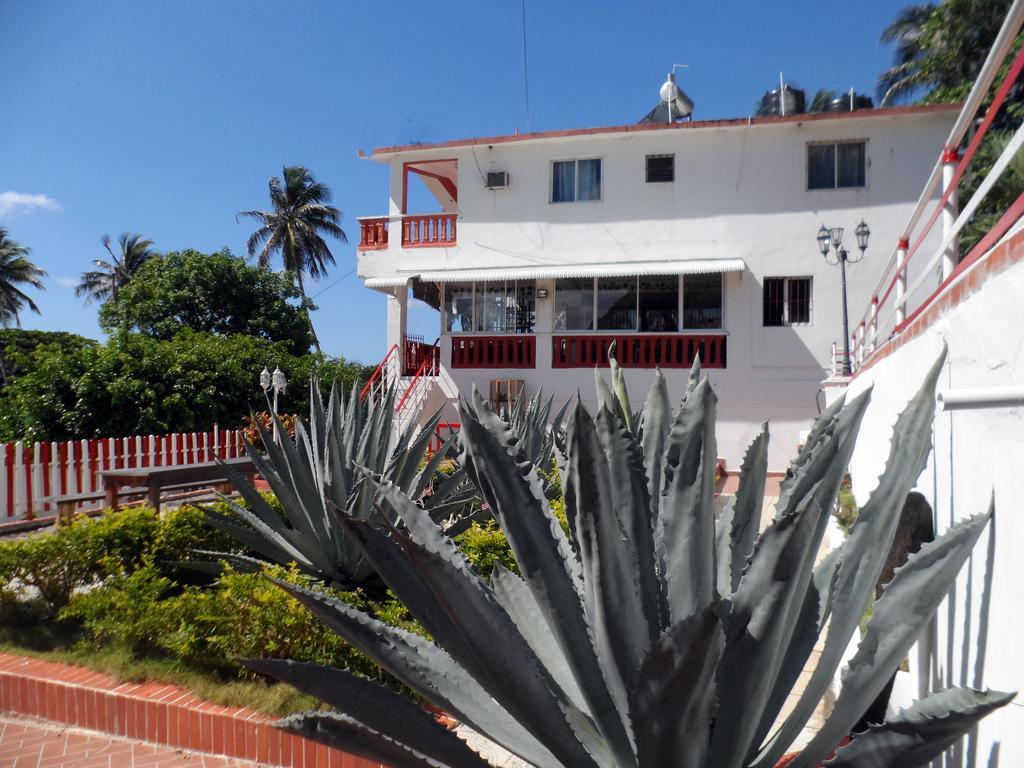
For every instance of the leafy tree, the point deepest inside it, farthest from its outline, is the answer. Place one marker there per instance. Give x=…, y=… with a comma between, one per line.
x=135, y=384
x=939, y=49
x=16, y=272
x=295, y=228
x=104, y=284
x=213, y=293
x=18, y=343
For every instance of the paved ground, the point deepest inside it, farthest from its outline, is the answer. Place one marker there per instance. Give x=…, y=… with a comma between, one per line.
x=31, y=744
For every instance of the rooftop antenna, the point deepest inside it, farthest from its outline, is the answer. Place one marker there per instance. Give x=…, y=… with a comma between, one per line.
x=678, y=102
x=782, y=95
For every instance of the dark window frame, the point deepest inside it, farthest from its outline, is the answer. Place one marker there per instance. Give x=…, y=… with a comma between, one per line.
x=576, y=180
x=668, y=174
x=773, y=300
x=862, y=176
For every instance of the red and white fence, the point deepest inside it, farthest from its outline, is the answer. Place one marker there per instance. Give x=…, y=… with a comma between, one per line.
x=31, y=472
x=896, y=301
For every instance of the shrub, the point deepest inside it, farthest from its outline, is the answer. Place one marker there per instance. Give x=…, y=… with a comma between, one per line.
x=485, y=545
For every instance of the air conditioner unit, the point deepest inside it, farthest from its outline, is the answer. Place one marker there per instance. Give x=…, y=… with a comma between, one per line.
x=497, y=179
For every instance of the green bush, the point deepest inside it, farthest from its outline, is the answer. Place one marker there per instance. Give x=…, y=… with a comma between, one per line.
x=485, y=545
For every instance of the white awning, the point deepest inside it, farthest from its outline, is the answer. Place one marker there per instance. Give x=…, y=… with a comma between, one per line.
x=607, y=269
x=387, y=282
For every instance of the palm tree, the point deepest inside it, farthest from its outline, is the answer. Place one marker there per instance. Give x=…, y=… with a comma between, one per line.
x=939, y=48
x=103, y=284
x=16, y=270
x=301, y=217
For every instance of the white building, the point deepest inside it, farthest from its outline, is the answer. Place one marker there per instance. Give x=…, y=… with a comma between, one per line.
x=669, y=238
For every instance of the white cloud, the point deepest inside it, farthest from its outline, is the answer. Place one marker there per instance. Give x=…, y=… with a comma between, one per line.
x=14, y=203
x=67, y=282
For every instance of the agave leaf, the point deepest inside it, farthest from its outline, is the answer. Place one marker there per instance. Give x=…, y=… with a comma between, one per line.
x=685, y=533
x=766, y=606
x=619, y=387
x=426, y=669
x=612, y=592
x=921, y=733
x=605, y=398
x=900, y=614
x=865, y=551
x=374, y=706
x=268, y=544
x=746, y=512
x=694, y=378
x=657, y=424
x=348, y=734
x=514, y=494
x=814, y=614
x=462, y=615
x=677, y=677
x=518, y=601
x=253, y=498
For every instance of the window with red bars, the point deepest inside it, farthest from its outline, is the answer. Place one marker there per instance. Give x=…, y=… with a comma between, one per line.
x=786, y=301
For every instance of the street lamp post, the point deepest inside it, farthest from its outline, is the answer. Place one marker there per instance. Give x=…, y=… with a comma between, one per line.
x=833, y=238
x=277, y=382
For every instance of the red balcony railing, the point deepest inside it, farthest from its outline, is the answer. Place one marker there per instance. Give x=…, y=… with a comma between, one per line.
x=433, y=230
x=373, y=234
x=494, y=351
x=416, y=352
x=639, y=351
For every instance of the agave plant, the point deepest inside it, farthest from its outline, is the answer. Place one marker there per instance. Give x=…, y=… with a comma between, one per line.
x=653, y=634
x=320, y=468
x=538, y=434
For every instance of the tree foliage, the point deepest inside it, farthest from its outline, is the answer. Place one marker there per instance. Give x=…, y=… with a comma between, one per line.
x=110, y=276
x=16, y=272
x=211, y=293
x=296, y=227
x=135, y=384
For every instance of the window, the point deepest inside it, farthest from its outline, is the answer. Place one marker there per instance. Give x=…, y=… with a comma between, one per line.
x=574, y=304
x=659, y=303
x=648, y=304
x=661, y=168
x=702, y=301
x=575, y=180
x=458, y=309
x=836, y=166
x=616, y=304
x=786, y=301
x=500, y=306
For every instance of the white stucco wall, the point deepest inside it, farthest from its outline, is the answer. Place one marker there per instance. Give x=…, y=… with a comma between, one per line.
x=739, y=192
x=976, y=453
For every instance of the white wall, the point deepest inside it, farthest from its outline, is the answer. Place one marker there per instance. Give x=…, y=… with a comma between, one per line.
x=976, y=453
x=740, y=191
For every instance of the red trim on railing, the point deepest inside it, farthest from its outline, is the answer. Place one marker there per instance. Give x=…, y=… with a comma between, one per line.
x=438, y=441
x=420, y=372
x=416, y=351
x=494, y=351
x=639, y=351
x=432, y=230
x=964, y=161
x=373, y=234
x=377, y=372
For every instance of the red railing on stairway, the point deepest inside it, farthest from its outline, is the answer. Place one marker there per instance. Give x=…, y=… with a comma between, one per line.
x=677, y=350
x=377, y=373
x=416, y=351
x=429, y=366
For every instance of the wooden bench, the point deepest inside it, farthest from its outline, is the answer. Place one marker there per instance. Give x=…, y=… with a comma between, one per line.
x=67, y=504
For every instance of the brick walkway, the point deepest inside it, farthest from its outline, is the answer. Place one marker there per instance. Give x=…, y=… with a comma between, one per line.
x=31, y=744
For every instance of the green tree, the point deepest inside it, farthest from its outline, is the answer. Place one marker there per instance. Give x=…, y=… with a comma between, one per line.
x=213, y=293
x=295, y=228
x=16, y=272
x=135, y=384
x=939, y=49
x=104, y=283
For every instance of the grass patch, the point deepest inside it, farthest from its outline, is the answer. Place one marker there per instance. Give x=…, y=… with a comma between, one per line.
x=271, y=699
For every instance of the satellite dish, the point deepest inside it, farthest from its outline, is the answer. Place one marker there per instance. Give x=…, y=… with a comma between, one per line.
x=679, y=104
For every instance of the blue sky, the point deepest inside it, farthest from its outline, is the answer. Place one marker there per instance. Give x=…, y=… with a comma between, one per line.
x=167, y=118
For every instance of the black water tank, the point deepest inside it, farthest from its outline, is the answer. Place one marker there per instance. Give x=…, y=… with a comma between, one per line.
x=794, y=99
x=847, y=103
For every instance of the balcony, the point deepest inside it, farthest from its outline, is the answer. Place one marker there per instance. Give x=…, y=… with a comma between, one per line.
x=639, y=351
x=373, y=233
x=429, y=230
x=494, y=351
